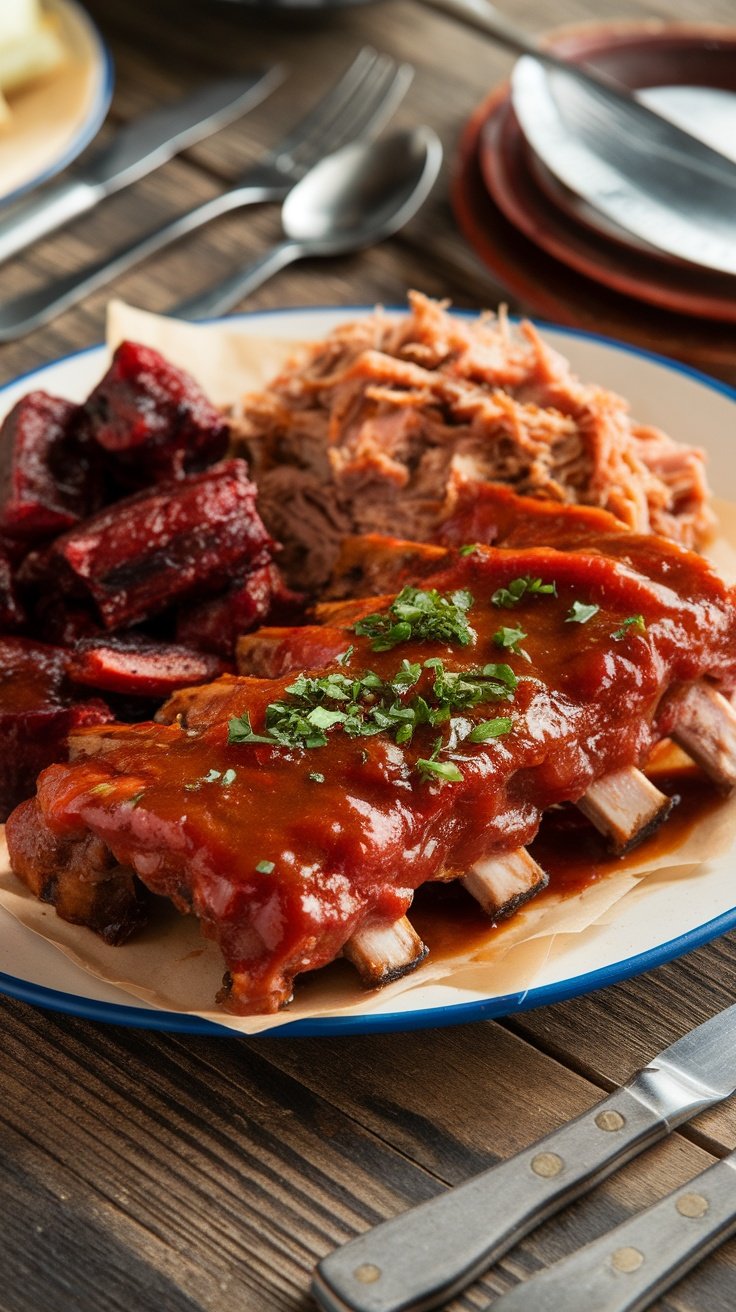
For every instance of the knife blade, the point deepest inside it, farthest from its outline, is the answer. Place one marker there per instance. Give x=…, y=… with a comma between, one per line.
x=135, y=150
x=423, y=1257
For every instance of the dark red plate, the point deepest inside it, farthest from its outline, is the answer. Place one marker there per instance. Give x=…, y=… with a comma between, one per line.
x=667, y=283
x=542, y=285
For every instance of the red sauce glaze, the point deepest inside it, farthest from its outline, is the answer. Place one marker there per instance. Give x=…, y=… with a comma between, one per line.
x=360, y=842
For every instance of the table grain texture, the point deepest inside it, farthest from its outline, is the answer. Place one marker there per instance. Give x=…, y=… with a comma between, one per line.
x=143, y=1172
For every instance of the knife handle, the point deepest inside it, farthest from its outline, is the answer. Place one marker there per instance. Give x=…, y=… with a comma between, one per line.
x=422, y=1258
x=626, y=1269
x=33, y=218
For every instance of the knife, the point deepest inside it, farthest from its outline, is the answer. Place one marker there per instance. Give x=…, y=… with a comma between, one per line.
x=135, y=150
x=626, y=1269
x=420, y=1259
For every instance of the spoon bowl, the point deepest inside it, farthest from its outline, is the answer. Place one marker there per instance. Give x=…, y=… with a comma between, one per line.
x=364, y=192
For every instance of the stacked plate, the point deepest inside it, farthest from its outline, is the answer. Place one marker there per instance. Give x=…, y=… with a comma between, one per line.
x=517, y=191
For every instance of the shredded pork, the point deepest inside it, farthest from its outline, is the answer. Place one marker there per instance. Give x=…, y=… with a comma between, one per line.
x=377, y=428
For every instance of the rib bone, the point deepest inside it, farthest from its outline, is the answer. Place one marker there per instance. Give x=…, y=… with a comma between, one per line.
x=625, y=807
x=383, y=953
x=501, y=884
x=706, y=731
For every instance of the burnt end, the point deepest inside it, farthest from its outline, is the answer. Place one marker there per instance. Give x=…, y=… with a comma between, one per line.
x=12, y=612
x=37, y=712
x=47, y=481
x=153, y=550
x=152, y=420
x=139, y=667
x=214, y=626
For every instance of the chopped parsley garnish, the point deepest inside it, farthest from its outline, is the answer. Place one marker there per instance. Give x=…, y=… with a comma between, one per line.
x=266, y=867
x=469, y=549
x=344, y=656
x=366, y=705
x=228, y=778
x=633, y=622
x=211, y=776
x=422, y=615
x=315, y=777
x=581, y=612
x=443, y=770
x=510, y=639
x=526, y=586
x=490, y=729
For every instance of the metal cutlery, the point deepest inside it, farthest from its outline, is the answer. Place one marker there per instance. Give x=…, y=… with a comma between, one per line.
x=135, y=150
x=352, y=199
x=420, y=1259
x=662, y=184
x=358, y=105
x=630, y=1266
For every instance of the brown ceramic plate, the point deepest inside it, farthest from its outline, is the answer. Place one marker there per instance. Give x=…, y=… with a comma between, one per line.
x=685, y=70
x=633, y=271
x=541, y=285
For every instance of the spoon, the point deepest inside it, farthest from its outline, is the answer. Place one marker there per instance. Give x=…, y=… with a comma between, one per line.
x=352, y=199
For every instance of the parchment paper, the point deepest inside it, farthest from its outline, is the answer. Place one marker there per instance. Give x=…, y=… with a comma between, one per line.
x=170, y=966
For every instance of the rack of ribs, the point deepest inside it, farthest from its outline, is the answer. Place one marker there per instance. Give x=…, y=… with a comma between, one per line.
x=417, y=735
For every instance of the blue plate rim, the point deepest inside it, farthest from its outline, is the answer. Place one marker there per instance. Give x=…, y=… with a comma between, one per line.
x=429, y=1017
x=93, y=122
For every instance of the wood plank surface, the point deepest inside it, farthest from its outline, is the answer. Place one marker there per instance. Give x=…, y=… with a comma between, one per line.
x=144, y=1172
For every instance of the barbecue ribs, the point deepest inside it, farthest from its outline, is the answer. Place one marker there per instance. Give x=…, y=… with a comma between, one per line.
x=413, y=736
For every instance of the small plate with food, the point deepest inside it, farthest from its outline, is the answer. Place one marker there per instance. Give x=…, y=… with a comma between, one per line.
x=56, y=80
x=461, y=743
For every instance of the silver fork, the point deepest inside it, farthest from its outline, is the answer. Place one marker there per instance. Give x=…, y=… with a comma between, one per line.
x=358, y=105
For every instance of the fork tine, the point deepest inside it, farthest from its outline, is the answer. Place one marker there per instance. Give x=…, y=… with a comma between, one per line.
x=370, y=108
x=330, y=106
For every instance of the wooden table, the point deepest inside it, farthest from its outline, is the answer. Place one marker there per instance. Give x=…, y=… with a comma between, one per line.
x=143, y=1172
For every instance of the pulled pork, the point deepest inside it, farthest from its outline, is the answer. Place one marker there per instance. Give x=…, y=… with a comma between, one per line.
x=381, y=426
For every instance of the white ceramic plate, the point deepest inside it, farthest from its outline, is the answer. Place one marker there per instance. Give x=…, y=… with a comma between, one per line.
x=664, y=920
x=55, y=119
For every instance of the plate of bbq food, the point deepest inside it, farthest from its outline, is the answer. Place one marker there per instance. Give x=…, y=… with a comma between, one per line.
x=361, y=669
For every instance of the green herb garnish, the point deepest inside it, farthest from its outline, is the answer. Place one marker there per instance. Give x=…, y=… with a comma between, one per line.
x=316, y=777
x=631, y=622
x=228, y=778
x=526, y=586
x=367, y=705
x=510, y=639
x=421, y=615
x=490, y=729
x=135, y=799
x=266, y=867
x=469, y=549
x=580, y=612
x=443, y=770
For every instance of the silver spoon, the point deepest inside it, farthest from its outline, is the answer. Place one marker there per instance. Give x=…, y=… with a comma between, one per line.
x=352, y=199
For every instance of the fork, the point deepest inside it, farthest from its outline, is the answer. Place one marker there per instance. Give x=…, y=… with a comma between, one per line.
x=358, y=105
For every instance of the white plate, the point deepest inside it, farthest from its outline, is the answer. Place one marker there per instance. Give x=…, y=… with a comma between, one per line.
x=55, y=119
x=663, y=921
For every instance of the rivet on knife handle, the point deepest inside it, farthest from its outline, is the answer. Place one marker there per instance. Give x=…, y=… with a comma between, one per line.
x=422, y=1258
x=626, y=1269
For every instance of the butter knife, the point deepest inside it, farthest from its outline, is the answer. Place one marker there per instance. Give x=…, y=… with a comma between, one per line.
x=626, y=1269
x=135, y=150
x=420, y=1259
